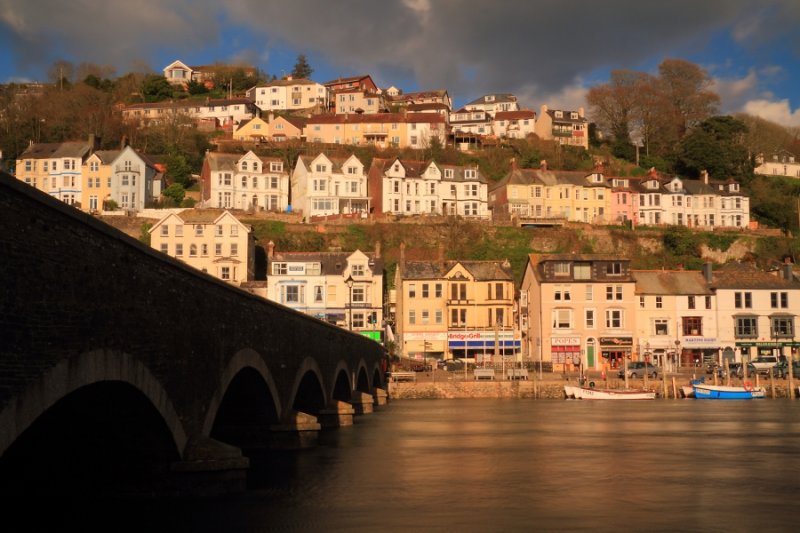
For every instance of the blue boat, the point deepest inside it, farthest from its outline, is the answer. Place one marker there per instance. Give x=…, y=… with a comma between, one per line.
x=703, y=391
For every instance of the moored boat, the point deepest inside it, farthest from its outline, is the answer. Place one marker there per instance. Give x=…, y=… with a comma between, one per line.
x=703, y=391
x=588, y=393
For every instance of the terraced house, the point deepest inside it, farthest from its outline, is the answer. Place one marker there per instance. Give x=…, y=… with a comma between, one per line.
x=324, y=186
x=399, y=130
x=456, y=309
x=244, y=181
x=55, y=168
x=343, y=288
x=407, y=188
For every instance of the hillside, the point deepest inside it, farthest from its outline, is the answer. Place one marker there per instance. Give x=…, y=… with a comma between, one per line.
x=648, y=248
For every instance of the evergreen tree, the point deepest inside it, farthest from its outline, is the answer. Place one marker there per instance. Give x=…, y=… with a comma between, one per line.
x=302, y=69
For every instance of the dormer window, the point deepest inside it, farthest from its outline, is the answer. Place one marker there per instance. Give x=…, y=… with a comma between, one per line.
x=573, y=115
x=470, y=174
x=559, y=114
x=276, y=167
x=448, y=173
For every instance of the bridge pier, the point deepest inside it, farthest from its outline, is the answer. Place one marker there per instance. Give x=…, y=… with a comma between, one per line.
x=338, y=414
x=209, y=468
x=362, y=403
x=300, y=430
x=381, y=397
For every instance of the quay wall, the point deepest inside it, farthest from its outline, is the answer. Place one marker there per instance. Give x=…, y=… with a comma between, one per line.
x=532, y=389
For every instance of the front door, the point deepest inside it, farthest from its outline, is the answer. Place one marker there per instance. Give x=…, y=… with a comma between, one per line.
x=590, y=356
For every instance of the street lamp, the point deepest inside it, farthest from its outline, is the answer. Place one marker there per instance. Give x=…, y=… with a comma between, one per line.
x=677, y=355
x=349, y=282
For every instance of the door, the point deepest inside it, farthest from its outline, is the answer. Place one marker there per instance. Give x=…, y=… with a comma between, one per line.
x=590, y=356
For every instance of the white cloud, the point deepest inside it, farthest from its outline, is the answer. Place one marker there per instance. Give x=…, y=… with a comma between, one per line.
x=780, y=111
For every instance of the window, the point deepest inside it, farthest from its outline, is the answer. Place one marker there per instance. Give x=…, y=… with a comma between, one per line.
x=661, y=326
x=614, y=318
x=614, y=269
x=425, y=316
x=359, y=294
x=743, y=300
x=691, y=302
x=425, y=290
x=412, y=290
x=204, y=250
x=437, y=290
x=582, y=271
x=589, y=293
x=779, y=300
x=590, y=319
x=746, y=326
x=708, y=302
x=641, y=299
x=218, y=249
x=234, y=230
x=782, y=326
x=561, y=293
x=318, y=296
x=164, y=230
x=292, y=294
x=279, y=269
x=562, y=318
x=358, y=270
x=218, y=231
x=412, y=316
x=193, y=250
x=164, y=248
x=437, y=316
x=692, y=326
x=561, y=268
x=198, y=230
x=458, y=291
x=179, y=250
x=660, y=302
x=614, y=292
x=458, y=317
x=234, y=249
x=225, y=273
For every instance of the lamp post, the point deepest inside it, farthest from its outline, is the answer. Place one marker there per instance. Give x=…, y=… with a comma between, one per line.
x=677, y=354
x=349, y=282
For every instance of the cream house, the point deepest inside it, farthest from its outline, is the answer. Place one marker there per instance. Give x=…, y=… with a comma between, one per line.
x=289, y=95
x=343, y=288
x=55, y=168
x=578, y=311
x=324, y=186
x=406, y=187
x=249, y=182
x=399, y=130
x=564, y=127
x=210, y=240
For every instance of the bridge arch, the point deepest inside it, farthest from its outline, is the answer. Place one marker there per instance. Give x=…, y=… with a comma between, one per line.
x=80, y=371
x=308, y=391
x=242, y=361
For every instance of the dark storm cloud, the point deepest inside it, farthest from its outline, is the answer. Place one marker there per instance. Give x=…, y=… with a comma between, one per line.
x=539, y=46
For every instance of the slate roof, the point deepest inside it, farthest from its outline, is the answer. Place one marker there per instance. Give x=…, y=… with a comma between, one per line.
x=566, y=116
x=746, y=276
x=670, y=282
x=498, y=98
x=56, y=150
x=515, y=115
x=331, y=263
x=350, y=118
x=480, y=270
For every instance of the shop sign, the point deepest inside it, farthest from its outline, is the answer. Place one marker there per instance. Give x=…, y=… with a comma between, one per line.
x=565, y=341
x=426, y=336
x=616, y=341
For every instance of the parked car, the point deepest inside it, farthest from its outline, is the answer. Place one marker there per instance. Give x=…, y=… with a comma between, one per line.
x=736, y=370
x=781, y=370
x=765, y=362
x=638, y=369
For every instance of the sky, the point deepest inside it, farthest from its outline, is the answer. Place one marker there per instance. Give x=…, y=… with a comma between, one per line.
x=543, y=51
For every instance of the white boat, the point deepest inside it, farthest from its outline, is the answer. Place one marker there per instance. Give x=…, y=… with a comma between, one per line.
x=687, y=391
x=722, y=392
x=587, y=393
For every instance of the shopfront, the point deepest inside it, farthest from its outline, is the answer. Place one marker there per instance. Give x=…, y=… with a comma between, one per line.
x=751, y=350
x=479, y=346
x=565, y=353
x=699, y=351
x=614, y=350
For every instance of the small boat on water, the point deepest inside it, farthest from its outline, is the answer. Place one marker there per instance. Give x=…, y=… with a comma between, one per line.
x=588, y=393
x=688, y=390
x=703, y=391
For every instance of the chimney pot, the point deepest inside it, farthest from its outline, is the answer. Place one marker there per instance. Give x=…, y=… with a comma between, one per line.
x=270, y=249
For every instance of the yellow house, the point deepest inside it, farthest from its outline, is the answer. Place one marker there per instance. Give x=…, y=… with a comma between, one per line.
x=55, y=168
x=255, y=129
x=210, y=240
x=401, y=130
x=455, y=309
x=97, y=179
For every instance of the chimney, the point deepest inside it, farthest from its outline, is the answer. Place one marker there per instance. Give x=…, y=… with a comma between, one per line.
x=581, y=112
x=788, y=271
x=402, y=262
x=707, y=269
x=543, y=165
x=377, y=249
x=704, y=175
x=440, y=255
x=513, y=164
x=270, y=250
x=123, y=142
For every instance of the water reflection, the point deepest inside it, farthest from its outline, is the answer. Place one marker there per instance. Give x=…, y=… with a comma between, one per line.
x=485, y=465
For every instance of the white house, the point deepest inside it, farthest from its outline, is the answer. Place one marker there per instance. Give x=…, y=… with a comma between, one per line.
x=324, y=186
x=250, y=182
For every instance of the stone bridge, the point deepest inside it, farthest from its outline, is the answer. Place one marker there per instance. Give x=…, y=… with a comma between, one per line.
x=123, y=365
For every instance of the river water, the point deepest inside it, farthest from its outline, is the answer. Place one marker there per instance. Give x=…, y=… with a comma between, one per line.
x=517, y=465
